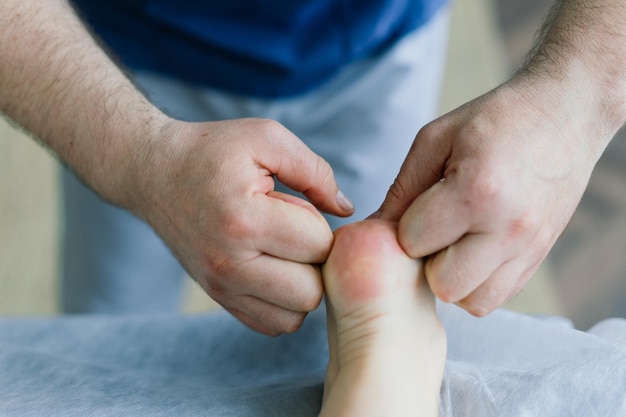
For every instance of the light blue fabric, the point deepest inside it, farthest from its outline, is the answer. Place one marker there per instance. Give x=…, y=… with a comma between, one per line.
x=112, y=261
x=363, y=123
x=206, y=365
x=505, y=365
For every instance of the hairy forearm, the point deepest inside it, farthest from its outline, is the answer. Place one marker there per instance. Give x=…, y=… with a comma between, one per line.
x=583, y=45
x=57, y=83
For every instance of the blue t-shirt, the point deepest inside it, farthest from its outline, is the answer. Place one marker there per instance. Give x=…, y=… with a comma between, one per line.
x=263, y=48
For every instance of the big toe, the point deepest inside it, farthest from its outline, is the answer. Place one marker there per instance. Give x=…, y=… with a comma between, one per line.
x=367, y=264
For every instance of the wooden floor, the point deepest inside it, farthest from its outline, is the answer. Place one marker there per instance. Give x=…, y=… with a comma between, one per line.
x=586, y=271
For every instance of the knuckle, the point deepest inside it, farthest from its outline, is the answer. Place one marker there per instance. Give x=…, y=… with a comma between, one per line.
x=236, y=227
x=281, y=321
x=219, y=266
x=323, y=168
x=267, y=126
x=214, y=288
x=486, y=299
x=269, y=132
x=311, y=303
x=477, y=310
x=528, y=221
x=444, y=293
x=324, y=171
x=256, y=325
x=319, y=173
x=428, y=132
x=475, y=130
x=485, y=189
x=397, y=190
x=294, y=324
x=407, y=238
x=442, y=289
x=323, y=248
x=264, y=331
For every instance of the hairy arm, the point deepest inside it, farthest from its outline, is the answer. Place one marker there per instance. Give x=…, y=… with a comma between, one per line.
x=582, y=45
x=57, y=83
x=487, y=189
x=206, y=188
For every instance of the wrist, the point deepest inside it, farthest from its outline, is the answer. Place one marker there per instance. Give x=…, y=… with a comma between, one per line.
x=595, y=94
x=57, y=83
x=569, y=108
x=580, y=59
x=131, y=159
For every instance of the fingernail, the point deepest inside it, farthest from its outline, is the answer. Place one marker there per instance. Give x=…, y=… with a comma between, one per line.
x=343, y=202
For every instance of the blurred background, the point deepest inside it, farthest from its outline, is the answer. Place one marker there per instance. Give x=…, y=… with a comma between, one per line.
x=584, y=277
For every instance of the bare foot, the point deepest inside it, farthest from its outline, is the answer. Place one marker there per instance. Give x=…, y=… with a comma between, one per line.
x=387, y=346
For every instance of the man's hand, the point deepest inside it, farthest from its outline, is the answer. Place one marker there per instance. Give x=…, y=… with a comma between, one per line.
x=486, y=190
x=207, y=189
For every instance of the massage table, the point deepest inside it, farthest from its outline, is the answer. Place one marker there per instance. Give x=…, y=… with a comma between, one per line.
x=504, y=365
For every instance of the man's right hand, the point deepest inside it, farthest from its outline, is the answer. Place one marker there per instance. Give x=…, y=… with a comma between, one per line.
x=208, y=191
x=206, y=188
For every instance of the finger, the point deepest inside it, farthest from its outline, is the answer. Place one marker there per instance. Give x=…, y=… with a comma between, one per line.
x=302, y=170
x=288, y=285
x=267, y=318
x=456, y=271
x=435, y=220
x=291, y=229
x=252, y=323
x=292, y=199
x=503, y=284
x=422, y=168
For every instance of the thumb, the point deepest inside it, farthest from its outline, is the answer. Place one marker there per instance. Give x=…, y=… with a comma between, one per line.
x=422, y=168
x=302, y=170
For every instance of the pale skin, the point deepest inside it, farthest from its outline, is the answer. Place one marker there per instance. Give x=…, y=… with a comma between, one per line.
x=387, y=346
x=515, y=163
x=206, y=188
